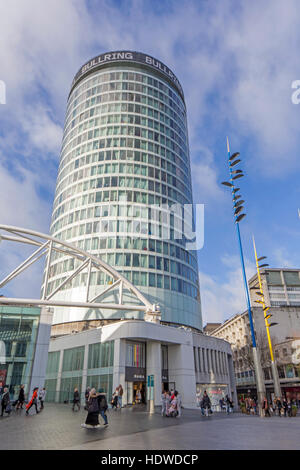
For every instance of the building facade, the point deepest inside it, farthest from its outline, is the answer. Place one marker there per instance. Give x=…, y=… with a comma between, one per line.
x=124, y=194
x=281, y=289
x=25, y=335
x=123, y=180
x=129, y=352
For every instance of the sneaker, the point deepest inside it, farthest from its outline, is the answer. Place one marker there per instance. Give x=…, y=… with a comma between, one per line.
x=83, y=425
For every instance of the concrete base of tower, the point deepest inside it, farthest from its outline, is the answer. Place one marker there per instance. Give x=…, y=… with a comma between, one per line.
x=145, y=358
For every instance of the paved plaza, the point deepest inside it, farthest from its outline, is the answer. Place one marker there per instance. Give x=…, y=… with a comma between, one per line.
x=57, y=427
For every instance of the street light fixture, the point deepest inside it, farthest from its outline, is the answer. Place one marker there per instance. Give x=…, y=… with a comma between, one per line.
x=260, y=383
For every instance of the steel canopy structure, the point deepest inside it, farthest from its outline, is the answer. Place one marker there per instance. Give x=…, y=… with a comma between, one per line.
x=46, y=246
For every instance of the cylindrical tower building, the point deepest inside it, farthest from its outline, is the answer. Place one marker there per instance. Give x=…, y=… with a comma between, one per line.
x=124, y=163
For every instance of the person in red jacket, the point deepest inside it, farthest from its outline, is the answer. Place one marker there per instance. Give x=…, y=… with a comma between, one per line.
x=33, y=401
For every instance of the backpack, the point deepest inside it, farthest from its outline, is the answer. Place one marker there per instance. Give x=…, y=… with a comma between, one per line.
x=103, y=403
x=93, y=406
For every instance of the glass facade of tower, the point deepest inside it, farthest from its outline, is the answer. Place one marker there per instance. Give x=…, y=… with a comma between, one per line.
x=124, y=164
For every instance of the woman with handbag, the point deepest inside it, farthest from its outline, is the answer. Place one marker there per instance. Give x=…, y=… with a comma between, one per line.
x=5, y=402
x=103, y=406
x=92, y=419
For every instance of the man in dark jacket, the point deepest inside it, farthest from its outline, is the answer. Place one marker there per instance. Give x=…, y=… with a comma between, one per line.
x=5, y=402
x=285, y=406
x=103, y=405
x=205, y=404
x=279, y=406
x=76, y=399
x=21, y=398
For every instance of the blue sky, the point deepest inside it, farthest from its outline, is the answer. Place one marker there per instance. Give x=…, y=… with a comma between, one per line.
x=236, y=62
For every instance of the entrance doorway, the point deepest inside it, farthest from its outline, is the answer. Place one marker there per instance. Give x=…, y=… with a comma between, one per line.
x=139, y=393
x=136, y=393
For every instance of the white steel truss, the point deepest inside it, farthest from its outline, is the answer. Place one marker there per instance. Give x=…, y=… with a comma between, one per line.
x=46, y=246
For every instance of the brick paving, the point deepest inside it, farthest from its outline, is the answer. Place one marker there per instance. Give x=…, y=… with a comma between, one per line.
x=57, y=427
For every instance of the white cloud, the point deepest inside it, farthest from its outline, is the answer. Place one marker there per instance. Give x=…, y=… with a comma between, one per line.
x=20, y=206
x=42, y=132
x=222, y=297
x=204, y=176
x=284, y=259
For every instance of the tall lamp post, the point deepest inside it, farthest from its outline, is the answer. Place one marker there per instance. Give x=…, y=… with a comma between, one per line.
x=268, y=325
x=235, y=174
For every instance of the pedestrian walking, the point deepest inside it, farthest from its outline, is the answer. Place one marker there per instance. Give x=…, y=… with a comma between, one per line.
x=114, y=400
x=86, y=396
x=228, y=403
x=5, y=402
x=21, y=398
x=289, y=408
x=285, y=407
x=179, y=404
x=274, y=406
x=265, y=407
x=33, y=401
x=76, y=400
x=164, y=399
x=103, y=406
x=205, y=404
x=120, y=395
x=168, y=402
x=279, y=406
x=255, y=405
x=42, y=396
x=92, y=419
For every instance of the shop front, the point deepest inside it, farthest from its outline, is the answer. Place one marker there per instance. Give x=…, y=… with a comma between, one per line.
x=215, y=392
x=135, y=385
x=135, y=373
x=291, y=393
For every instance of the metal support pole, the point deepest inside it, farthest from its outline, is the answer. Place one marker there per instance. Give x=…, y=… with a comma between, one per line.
x=260, y=383
x=88, y=280
x=47, y=271
x=276, y=382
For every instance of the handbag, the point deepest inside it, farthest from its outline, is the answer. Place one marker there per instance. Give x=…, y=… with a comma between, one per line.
x=8, y=408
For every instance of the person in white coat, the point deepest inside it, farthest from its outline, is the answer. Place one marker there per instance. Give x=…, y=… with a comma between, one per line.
x=42, y=396
x=179, y=403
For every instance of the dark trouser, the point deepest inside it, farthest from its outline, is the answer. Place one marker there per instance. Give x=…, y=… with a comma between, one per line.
x=20, y=404
x=2, y=409
x=42, y=404
x=36, y=408
x=76, y=403
x=102, y=412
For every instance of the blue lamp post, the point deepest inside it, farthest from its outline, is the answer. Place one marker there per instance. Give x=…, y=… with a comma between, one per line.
x=235, y=174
